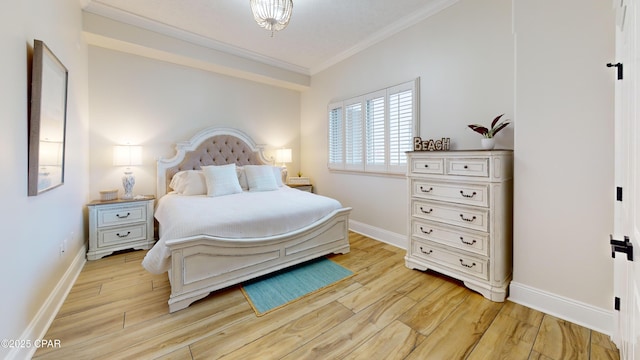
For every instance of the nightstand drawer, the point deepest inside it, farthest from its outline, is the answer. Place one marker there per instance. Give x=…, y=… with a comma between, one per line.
x=476, y=242
x=468, y=167
x=470, y=194
x=461, y=263
x=427, y=166
x=121, y=235
x=121, y=215
x=472, y=218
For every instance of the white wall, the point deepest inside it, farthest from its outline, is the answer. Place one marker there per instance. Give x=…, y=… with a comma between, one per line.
x=464, y=58
x=142, y=101
x=563, y=130
x=33, y=227
x=564, y=149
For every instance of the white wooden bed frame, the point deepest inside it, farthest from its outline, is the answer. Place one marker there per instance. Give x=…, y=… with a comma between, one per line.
x=202, y=264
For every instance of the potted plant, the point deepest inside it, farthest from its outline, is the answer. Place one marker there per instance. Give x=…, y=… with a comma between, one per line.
x=488, y=142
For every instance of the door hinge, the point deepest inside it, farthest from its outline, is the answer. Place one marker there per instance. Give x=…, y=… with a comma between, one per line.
x=619, y=67
x=616, y=303
x=619, y=193
x=622, y=247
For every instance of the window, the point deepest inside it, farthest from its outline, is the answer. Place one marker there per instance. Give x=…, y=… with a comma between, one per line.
x=377, y=130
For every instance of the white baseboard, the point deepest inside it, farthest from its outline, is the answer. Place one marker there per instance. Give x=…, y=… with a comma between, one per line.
x=38, y=327
x=373, y=232
x=586, y=315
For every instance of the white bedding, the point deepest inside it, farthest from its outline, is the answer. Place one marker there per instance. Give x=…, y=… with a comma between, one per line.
x=239, y=216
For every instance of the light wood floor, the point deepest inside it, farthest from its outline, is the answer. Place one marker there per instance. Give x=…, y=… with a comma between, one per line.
x=117, y=310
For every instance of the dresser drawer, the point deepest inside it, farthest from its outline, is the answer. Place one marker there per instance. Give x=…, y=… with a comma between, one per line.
x=461, y=263
x=121, y=215
x=122, y=235
x=470, y=194
x=468, y=167
x=427, y=166
x=472, y=218
x=476, y=242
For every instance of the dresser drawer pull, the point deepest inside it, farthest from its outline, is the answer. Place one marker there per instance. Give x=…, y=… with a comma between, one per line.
x=426, y=232
x=466, y=167
x=426, y=165
x=428, y=252
x=427, y=211
x=467, y=242
x=123, y=216
x=466, y=265
x=466, y=195
x=468, y=219
x=125, y=235
x=427, y=190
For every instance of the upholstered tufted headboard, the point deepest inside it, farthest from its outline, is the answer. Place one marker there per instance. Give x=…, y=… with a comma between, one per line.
x=212, y=146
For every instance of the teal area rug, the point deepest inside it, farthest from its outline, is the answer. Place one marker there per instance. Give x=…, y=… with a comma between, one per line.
x=270, y=292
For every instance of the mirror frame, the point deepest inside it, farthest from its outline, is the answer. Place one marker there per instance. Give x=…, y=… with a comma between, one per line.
x=47, y=120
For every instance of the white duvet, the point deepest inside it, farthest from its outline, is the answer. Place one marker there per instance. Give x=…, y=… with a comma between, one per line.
x=239, y=216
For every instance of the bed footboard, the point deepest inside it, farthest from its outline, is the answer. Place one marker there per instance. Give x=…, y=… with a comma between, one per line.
x=204, y=264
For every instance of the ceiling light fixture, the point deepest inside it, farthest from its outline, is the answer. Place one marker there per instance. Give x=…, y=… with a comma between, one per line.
x=272, y=15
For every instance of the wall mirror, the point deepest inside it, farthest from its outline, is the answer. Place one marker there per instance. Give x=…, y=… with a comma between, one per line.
x=47, y=120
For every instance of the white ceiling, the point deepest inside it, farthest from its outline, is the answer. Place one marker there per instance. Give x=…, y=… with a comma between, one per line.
x=320, y=33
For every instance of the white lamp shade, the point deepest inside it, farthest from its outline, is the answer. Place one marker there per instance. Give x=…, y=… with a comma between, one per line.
x=283, y=156
x=127, y=155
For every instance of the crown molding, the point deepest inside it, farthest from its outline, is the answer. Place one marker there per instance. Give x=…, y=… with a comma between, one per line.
x=116, y=14
x=386, y=32
x=172, y=31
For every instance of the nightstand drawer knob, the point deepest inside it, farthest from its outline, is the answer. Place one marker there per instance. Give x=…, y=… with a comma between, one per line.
x=123, y=216
x=125, y=235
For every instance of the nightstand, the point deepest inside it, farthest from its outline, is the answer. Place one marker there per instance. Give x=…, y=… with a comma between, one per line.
x=120, y=224
x=305, y=187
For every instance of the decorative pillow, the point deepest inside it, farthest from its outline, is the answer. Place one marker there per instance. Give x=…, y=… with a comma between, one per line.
x=177, y=181
x=242, y=178
x=221, y=180
x=260, y=177
x=189, y=182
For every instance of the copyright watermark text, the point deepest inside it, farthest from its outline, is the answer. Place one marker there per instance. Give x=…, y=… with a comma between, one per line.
x=27, y=344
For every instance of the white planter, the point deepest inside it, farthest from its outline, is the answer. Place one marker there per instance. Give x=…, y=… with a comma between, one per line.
x=488, y=143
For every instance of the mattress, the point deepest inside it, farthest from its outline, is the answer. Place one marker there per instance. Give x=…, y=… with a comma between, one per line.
x=241, y=217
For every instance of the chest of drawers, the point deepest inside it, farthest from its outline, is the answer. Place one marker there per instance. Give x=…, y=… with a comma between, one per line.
x=119, y=225
x=460, y=217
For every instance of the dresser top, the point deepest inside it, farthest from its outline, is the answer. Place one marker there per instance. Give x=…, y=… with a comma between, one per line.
x=462, y=151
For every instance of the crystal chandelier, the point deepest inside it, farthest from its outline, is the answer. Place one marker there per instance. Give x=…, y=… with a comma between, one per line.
x=272, y=15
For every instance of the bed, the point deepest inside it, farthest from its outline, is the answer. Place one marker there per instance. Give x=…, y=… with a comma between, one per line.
x=208, y=242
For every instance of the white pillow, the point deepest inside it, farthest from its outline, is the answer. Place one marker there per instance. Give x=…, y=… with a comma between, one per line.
x=260, y=177
x=242, y=178
x=221, y=180
x=277, y=172
x=189, y=182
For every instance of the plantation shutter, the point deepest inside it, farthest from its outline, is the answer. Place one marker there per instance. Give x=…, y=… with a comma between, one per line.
x=375, y=132
x=402, y=119
x=353, y=138
x=336, y=137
